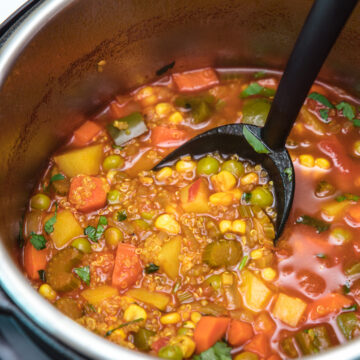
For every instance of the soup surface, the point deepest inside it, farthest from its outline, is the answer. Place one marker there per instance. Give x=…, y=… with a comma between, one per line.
x=180, y=263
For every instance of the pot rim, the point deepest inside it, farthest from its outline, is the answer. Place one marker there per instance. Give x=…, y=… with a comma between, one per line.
x=12, y=280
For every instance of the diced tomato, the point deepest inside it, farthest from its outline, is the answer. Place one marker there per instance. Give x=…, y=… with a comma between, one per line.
x=259, y=345
x=239, y=332
x=194, y=189
x=127, y=267
x=87, y=193
x=208, y=331
x=168, y=137
x=34, y=260
x=158, y=344
x=329, y=304
x=85, y=133
x=195, y=80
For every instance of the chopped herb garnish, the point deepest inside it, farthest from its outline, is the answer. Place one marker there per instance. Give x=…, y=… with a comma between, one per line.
x=346, y=109
x=220, y=351
x=350, y=308
x=103, y=220
x=356, y=122
x=243, y=262
x=246, y=197
x=319, y=225
x=121, y=215
x=289, y=172
x=254, y=142
x=259, y=74
x=38, y=241
x=83, y=273
x=42, y=275
x=151, y=268
x=94, y=234
x=123, y=325
x=256, y=89
x=56, y=177
x=321, y=256
x=49, y=225
x=344, y=197
x=90, y=232
x=321, y=99
x=346, y=288
x=324, y=114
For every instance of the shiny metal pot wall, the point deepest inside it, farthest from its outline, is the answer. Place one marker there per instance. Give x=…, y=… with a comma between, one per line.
x=49, y=80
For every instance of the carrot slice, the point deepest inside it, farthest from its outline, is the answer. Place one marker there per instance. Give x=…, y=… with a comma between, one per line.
x=264, y=324
x=208, y=331
x=34, y=260
x=87, y=193
x=195, y=80
x=127, y=267
x=167, y=137
x=329, y=304
x=259, y=345
x=354, y=212
x=85, y=133
x=239, y=332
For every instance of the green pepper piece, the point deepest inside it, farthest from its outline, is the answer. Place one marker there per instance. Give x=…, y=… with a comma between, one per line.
x=222, y=253
x=348, y=324
x=142, y=339
x=353, y=269
x=201, y=107
x=288, y=347
x=134, y=126
x=314, y=340
x=255, y=111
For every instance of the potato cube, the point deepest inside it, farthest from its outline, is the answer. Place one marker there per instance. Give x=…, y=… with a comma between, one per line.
x=289, y=309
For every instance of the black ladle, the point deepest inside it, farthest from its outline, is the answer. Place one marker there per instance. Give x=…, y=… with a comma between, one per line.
x=319, y=33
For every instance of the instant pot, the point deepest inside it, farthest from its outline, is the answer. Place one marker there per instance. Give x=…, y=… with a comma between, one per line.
x=62, y=60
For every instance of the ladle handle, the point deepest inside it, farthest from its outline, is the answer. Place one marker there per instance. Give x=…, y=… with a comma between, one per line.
x=319, y=33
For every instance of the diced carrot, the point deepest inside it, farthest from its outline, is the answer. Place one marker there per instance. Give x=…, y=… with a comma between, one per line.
x=274, y=357
x=259, y=345
x=85, y=133
x=167, y=137
x=208, y=331
x=127, y=267
x=195, y=80
x=239, y=332
x=264, y=324
x=354, y=212
x=123, y=106
x=329, y=304
x=34, y=260
x=87, y=193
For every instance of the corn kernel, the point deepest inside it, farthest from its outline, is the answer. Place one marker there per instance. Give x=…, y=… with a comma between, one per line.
x=134, y=312
x=163, y=109
x=223, y=181
x=150, y=100
x=225, y=226
x=189, y=325
x=120, y=333
x=236, y=193
x=144, y=92
x=47, y=292
x=238, y=226
x=307, y=160
x=250, y=178
x=185, y=343
x=195, y=317
x=176, y=118
x=323, y=163
x=256, y=254
x=221, y=198
x=171, y=209
x=167, y=223
x=227, y=278
x=171, y=318
x=268, y=274
x=164, y=173
x=185, y=166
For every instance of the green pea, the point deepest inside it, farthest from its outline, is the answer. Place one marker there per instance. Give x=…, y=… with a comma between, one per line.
x=207, y=166
x=82, y=244
x=113, y=162
x=113, y=197
x=214, y=281
x=262, y=197
x=255, y=111
x=233, y=166
x=172, y=352
x=113, y=236
x=40, y=202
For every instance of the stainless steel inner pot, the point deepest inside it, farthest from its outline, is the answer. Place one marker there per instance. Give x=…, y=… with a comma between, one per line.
x=49, y=81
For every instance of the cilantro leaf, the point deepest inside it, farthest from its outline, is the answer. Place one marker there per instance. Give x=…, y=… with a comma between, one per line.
x=319, y=225
x=42, y=275
x=83, y=273
x=254, y=142
x=347, y=196
x=350, y=308
x=347, y=110
x=121, y=215
x=220, y=351
x=356, y=122
x=324, y=114
x=123, y=325
x=288, y=171
x=346, y=288
x=103, y=220
x=56, y=177
x=246, y=197
x=256, y=89
x=38, y=241
x=151, y=268
x=49, y=225
x=243, y=262
x=321, y=99
x=94, y=234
